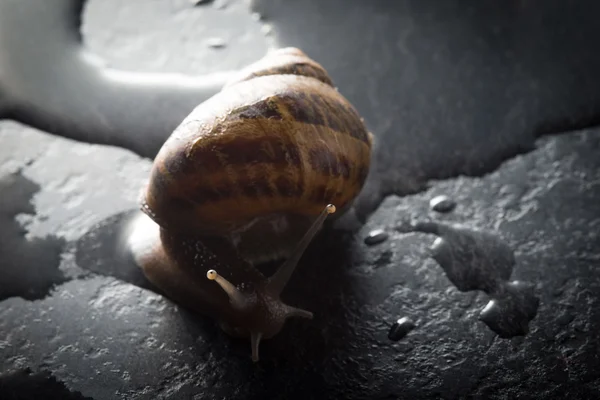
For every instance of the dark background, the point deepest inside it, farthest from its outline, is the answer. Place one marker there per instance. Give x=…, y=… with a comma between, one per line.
x=492, y=103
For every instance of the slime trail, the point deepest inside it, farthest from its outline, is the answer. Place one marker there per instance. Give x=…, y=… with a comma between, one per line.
x=49, y=80
x=477, y=260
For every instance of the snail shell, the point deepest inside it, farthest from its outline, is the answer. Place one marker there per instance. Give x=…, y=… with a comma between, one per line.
x=248, y=176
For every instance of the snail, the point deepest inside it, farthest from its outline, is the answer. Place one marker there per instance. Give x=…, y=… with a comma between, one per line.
x=250, y=176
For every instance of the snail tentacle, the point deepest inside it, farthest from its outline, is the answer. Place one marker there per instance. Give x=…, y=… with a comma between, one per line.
x=277, y=282
x=298, y=312
x=237, y=298
x=254, y=344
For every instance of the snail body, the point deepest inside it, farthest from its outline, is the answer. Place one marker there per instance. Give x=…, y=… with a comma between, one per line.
x=250, y=175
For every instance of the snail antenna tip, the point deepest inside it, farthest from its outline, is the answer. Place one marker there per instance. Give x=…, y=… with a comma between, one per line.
x=236, y=297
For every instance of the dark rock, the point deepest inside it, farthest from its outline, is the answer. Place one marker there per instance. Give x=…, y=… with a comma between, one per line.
x=455, y=89
x=119, y=337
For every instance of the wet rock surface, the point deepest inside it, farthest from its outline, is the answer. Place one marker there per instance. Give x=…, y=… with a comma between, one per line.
x=108, y=335
x=77, y=319
x=25, y=384
x=479, y=260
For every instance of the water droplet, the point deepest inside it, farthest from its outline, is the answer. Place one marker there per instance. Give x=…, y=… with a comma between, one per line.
x=216, y=42
x=479, y=260
x=442, y=204
x=200, y=2
x=509, y=312
x=376, y=236
x=400, y=329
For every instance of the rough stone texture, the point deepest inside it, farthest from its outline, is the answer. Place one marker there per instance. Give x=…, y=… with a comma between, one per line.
x=101, y=331
x=105, y=337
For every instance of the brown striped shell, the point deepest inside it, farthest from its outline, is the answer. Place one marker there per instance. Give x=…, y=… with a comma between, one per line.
x=270, y=150
x=250, y=175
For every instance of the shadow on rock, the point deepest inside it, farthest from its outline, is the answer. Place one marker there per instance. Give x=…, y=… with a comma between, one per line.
x=29, y=267
x=26, y=384
x=319, y=284
x=103, y=250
